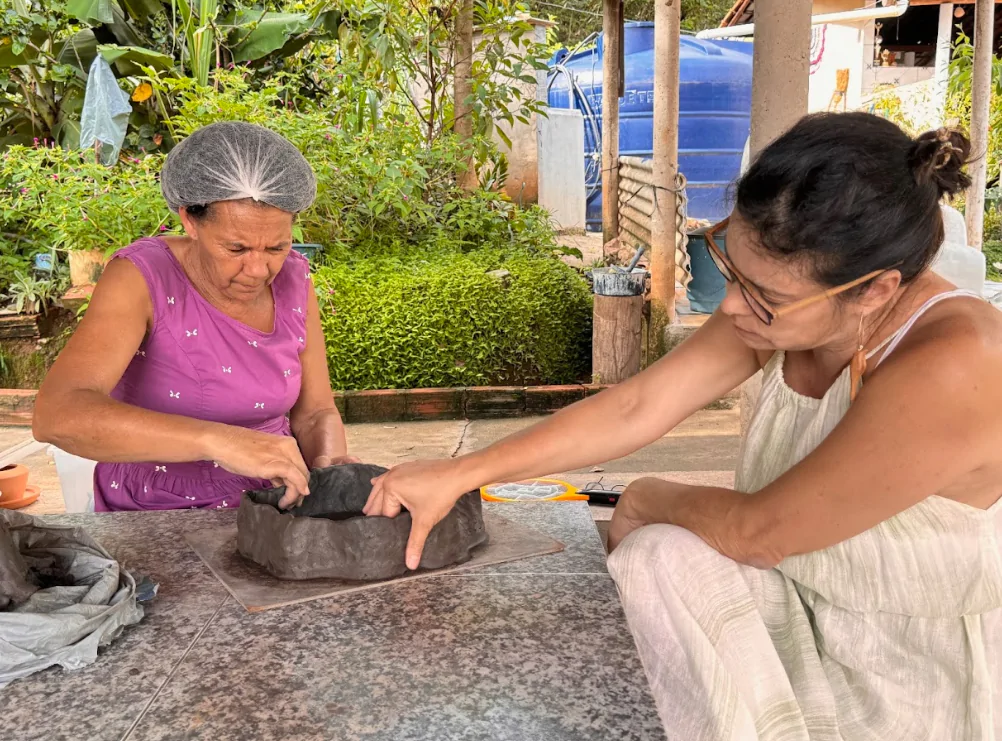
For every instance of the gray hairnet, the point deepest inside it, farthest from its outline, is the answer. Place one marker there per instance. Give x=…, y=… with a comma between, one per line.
x=233, y=160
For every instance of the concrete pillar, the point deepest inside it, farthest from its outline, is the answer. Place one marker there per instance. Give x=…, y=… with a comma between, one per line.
x=667, y=19
x=981, y=93
x=944, y=50
x=780, y=84
x=781, y=68
x=612, y=89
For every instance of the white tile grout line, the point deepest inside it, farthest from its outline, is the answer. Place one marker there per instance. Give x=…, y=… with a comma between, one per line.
x=173, y=670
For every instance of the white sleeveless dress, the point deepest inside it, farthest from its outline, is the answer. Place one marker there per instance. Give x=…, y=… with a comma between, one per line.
x=893, y=635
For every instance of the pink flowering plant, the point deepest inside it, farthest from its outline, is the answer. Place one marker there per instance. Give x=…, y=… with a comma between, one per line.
x=65, y=200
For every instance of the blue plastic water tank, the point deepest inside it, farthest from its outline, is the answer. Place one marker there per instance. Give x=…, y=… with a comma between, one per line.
x=714, y=120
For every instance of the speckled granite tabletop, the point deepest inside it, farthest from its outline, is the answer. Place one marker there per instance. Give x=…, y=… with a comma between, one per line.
x=532, y=650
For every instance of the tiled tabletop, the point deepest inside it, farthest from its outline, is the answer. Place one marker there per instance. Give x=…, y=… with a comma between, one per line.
x=531, y=650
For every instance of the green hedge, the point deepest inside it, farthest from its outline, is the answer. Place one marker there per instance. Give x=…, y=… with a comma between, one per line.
x=448, y=320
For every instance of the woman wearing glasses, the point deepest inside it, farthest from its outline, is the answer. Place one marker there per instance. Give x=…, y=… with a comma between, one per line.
x=850, y=586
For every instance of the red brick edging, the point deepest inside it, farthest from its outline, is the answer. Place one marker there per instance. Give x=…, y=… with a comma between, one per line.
x=397, y=405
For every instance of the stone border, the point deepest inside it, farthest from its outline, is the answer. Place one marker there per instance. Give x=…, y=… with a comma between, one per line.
x=16, y=407
x=396, y=405
x=476, y=402
x=403, y=405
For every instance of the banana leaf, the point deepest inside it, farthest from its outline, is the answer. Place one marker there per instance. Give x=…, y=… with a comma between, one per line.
x=258, y=34
x=92, y=11
x=142, y=9
x=129, y=58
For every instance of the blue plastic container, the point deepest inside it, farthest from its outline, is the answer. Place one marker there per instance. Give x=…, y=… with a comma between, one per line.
x=707, y=288
x=43, y=262
x=309, y=251
x=714, y=120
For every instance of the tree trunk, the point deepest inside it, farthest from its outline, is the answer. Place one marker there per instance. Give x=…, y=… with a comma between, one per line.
x=463, y=90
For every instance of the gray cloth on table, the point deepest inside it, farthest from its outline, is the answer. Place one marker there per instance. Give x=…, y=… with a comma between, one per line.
x=62, y=596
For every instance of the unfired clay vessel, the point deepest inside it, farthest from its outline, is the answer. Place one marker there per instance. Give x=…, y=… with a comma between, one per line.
x=328, y=537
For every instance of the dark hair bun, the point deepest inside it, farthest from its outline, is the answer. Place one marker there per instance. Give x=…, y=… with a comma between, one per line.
x=939, y=158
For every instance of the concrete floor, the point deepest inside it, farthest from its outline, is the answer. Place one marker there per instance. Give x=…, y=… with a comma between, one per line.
x=701, y=451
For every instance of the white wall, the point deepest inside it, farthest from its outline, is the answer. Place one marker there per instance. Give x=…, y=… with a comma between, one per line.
x=561, y=167
x=843, y=48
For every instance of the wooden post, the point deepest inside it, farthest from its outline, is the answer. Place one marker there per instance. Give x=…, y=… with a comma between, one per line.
x=616, y=332
x=667, y=19
x=463, y=88
x=981, y=94
x=617, y=323
x=612, y=89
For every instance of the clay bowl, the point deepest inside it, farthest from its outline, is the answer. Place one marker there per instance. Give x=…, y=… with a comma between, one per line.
x=328, y=537
x=13, y=480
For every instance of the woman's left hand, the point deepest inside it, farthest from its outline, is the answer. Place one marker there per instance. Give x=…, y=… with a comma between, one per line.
x=646, y=501
x=326, y=461
x=712, y=513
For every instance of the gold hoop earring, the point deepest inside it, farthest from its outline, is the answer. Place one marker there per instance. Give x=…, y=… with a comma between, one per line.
x=857, y=366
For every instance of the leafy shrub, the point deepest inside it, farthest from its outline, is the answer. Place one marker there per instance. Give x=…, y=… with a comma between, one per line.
x=380, y=191
x=447, y=321
x=31, y=295
x=55, y=199
x=993, y=257
x=993, y=224
x=959, y=100
x=405, y=251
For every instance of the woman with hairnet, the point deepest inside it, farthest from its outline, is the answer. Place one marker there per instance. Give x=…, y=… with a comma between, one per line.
x=199, y=370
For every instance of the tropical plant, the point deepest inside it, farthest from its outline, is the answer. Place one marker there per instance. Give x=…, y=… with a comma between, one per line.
x=405, y=48
x=959, y=101
x=577, y=19
x=47, y=47
x=66, y=200
x=31, y=295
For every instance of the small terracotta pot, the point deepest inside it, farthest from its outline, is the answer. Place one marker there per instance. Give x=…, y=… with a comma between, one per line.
x=86, y=266
x=13, y=479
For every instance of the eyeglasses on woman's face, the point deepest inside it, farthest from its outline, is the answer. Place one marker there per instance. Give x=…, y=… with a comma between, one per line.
x=760, y=307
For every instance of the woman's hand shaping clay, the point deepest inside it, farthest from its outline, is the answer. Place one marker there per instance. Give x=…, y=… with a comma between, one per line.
x=263, y=456
x=426, y=489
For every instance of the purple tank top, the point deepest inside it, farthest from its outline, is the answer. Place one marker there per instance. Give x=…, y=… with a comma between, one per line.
x=198, y=362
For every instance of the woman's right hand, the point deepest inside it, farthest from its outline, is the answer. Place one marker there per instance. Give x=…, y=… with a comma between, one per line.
x=426, y=489
x=260, y=455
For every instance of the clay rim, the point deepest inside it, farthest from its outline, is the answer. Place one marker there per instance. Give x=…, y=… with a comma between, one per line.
x=13, y=482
